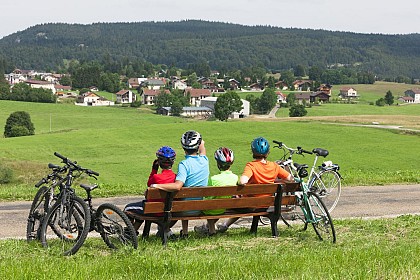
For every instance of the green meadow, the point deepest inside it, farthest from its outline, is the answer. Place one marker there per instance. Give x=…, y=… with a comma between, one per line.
x=120, y=143
x=365, y=249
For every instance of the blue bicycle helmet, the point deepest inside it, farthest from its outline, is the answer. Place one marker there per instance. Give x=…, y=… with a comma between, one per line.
x=166, y=155
x=260, y=146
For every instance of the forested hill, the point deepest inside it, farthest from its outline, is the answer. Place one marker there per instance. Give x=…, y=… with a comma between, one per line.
x=222, y=45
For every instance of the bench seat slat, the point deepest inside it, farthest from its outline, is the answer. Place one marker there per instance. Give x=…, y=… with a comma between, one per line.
x=224, y=203
x=215, y=191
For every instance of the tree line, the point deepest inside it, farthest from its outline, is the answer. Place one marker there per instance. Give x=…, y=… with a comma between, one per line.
x=130, y=47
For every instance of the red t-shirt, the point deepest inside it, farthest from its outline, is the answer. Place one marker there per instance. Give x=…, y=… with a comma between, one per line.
x=167, y=176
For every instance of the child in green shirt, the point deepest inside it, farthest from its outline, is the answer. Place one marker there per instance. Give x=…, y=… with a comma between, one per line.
x=224, y=158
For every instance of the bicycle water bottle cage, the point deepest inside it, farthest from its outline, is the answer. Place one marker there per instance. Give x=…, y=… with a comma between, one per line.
x=320, y=152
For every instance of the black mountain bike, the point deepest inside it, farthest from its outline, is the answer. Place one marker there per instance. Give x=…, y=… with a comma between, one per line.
x=43, y=200
x=68, y=222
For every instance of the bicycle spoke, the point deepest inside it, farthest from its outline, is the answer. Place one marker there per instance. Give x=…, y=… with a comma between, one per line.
x=321, y=219
x=327, y=185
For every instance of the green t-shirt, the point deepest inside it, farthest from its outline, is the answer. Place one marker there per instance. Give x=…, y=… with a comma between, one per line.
x=224, y=178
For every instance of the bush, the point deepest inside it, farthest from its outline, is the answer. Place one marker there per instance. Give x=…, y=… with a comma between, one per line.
x=136, y=104
x=19, y=124
x=6, y=174
x=297, y=111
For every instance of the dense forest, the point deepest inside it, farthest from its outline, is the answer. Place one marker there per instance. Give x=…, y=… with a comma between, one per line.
x=223, y=46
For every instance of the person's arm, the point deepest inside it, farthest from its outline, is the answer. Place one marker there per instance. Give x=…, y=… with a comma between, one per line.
x=243, y=180
x=155, y=168
x=169, y=187
x=202, y=149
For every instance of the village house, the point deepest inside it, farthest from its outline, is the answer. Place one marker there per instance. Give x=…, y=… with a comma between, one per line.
x=41, y=84
x=153, y=83
x=406, y=99
x=281, y=97
x=179, y=84
x=302, y=85
x=325, y=88
x=187, y=111
x=281, y=85
x=210, y=101
x=255, y=87
x=92, y=99
x=348, y=93
x=319, y=96
x=414, y=93
x=149, y=95
x=125, y=96
x=196, y=94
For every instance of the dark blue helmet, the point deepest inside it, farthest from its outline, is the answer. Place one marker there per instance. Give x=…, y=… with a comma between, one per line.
x=260, y=146
x=166, y=154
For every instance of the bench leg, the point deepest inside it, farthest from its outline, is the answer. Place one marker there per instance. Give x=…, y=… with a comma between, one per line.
x=146, y=229
x=254, y=225
x=274, y=229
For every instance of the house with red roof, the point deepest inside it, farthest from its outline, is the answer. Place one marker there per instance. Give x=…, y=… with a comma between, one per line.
x=414, y=93
x=196, y=94
x=125, y=96
x=149, y=95
x=348, y=93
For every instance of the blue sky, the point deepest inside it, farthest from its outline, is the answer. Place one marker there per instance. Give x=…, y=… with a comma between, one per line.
x=360, y=16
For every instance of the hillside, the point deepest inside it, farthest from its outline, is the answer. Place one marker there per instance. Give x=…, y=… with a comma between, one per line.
x=221, y=45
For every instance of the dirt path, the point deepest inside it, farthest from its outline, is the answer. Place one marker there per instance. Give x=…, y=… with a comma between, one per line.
x=355, y=202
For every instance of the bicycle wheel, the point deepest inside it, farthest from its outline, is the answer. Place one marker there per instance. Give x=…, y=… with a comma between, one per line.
x=321, y=220
x=66, y=226
x=327, y=184
x=39, y=209
x=114, y=226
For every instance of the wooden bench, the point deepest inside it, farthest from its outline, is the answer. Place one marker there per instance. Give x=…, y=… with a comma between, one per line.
x=250, y=203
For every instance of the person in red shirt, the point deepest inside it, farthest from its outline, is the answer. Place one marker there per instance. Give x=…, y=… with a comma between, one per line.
x=165, y=158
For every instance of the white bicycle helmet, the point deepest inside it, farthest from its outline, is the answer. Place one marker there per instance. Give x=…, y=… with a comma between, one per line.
x=191, y=140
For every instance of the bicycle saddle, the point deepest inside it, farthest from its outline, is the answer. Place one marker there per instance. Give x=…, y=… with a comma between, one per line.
x=320, y=152
x=89, y=187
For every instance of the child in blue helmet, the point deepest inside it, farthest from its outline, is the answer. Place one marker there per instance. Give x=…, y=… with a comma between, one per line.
x=165, y=158
x=259, y=171
x=193, y=171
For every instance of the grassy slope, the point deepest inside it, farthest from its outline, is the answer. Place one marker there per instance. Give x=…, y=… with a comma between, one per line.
x=120, y=144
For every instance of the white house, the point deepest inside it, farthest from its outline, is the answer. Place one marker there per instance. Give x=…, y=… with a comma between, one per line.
x=187, y=111
x=348, y=92
x=180, y=85
x=41, y=84
x=92, y=99
x=414, y=93
x=125, y=96
x=210, y=101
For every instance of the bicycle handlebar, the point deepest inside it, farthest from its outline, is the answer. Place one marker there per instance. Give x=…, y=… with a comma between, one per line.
x=298, y=150
x=67, y=161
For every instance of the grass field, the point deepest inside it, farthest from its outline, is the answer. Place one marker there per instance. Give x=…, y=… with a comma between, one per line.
x=120, y=144
x=365, y=249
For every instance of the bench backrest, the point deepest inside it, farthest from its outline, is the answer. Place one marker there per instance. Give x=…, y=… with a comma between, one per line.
x=251, y=196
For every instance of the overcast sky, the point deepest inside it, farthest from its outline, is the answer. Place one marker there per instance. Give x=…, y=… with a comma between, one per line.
x=360, y=16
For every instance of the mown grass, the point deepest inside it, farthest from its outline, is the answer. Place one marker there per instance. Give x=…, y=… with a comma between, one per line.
x=365, y=249
x=120, y=143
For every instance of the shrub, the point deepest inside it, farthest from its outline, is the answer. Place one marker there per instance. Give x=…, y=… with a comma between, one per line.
x=19, y=124
x=297, y=111
x=6, y=174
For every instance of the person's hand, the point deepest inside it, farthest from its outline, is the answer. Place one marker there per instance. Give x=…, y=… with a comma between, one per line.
x=155, y=165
